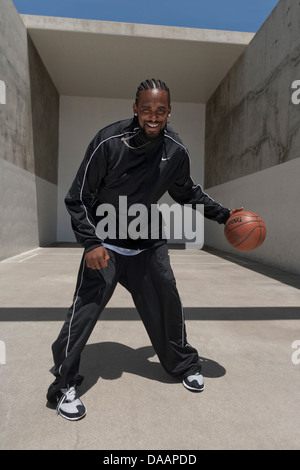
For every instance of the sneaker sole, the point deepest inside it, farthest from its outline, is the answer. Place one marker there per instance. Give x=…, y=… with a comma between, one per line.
x=69, y=418
x=193, y=389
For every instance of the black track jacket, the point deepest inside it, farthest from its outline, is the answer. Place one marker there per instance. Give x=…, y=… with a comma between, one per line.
x=111, y=169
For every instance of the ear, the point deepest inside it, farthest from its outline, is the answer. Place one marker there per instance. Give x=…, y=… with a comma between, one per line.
x=134, y=108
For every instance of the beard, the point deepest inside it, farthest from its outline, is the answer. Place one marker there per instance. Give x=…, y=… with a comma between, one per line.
x=153, y=132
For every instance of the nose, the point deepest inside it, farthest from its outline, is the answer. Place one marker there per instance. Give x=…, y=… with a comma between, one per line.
x=153, y=117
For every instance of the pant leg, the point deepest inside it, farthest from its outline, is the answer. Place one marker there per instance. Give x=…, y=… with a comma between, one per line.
x=150, y=279
x=93, y=290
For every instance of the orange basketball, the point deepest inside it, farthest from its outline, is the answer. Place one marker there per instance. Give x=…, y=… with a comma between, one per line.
x=245, y=230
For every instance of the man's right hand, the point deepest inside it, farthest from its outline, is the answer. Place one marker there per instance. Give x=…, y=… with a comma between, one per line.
x=97, y=258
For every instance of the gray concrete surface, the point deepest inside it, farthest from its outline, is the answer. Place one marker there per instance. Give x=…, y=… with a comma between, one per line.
x=252, y=137
x=67, y=47
x=243, y=318
x=251, y=121
x=28, y=141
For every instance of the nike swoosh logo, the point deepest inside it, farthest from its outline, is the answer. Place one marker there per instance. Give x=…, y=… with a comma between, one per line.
x=167, y=158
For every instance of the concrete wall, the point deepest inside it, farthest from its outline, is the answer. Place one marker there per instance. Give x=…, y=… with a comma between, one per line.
x=80, y=120
x=45, y=122
x=28, y=119
x=253, y=138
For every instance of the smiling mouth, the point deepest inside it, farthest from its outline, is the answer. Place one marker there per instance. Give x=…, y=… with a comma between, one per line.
x=153, y=126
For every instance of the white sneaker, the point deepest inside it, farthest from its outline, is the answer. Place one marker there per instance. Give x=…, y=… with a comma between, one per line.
x=194, y=382
x=69, y=405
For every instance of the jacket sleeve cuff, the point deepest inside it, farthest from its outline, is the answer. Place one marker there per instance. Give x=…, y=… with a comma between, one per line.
x=89, y=246
x=223, y=216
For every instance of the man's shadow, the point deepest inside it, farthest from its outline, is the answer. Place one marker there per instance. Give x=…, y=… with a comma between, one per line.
x=109, y=360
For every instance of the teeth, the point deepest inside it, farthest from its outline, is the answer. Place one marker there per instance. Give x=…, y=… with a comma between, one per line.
x=152, y=125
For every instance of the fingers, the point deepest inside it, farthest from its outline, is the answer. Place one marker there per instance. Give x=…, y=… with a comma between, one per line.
x=97, y=258
x=233, y=211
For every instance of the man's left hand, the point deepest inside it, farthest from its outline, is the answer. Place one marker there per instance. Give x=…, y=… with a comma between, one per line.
x=233, y=211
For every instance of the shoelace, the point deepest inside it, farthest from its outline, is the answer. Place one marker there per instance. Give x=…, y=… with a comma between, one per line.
x=68, y=395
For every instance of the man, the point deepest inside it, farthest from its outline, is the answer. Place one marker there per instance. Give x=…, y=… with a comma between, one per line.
x=141, y=159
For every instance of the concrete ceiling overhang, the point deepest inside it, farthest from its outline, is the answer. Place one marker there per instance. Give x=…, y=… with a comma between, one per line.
x=109, y=60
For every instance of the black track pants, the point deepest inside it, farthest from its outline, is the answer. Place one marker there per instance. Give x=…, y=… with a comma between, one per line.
x=149, y=278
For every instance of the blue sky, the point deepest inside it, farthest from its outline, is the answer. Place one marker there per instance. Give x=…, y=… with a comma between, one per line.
x=231, y=15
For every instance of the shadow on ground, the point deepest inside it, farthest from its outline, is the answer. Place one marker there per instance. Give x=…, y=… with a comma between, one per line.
x=37, y=314
x=109, y=360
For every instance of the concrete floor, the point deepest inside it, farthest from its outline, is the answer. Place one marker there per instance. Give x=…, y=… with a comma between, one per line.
x=242, y=317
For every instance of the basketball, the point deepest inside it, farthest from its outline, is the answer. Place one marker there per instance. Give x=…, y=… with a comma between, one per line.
x=245, y=230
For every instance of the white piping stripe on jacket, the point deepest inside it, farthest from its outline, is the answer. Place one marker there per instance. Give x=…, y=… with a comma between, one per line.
x=85, y=173
x=181, y=145
x=178, y=143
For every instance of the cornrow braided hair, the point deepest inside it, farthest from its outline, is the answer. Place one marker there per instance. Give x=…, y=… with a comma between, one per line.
x=150, y=85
